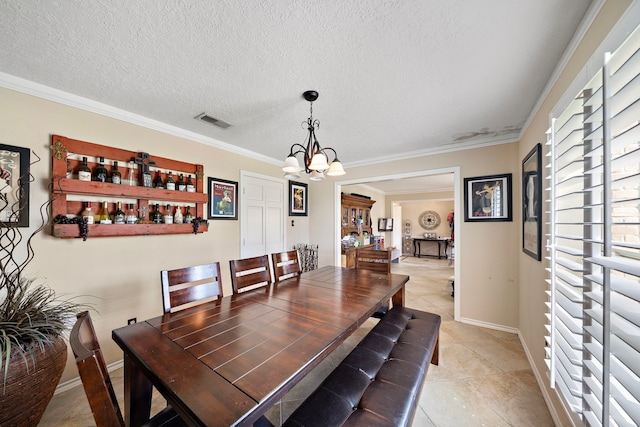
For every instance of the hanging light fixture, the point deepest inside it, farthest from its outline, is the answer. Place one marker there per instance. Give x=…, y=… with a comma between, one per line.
x=316, y=161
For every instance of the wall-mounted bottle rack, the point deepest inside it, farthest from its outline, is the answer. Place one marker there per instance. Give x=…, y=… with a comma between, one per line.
x=70, y=195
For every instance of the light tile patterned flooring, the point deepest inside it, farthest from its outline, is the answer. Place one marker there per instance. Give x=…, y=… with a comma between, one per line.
x=483, y=379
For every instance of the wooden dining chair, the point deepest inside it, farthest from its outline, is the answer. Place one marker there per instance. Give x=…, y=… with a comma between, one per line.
x=285, y=265
x=183, y=287
x=373, y=260
x=378, y=261
x=250, y=273
x=96, y=381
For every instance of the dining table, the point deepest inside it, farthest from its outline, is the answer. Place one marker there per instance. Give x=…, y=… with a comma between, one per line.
x=226, y=362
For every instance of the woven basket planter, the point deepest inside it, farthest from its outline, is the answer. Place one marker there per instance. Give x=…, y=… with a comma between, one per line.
x=30, y=385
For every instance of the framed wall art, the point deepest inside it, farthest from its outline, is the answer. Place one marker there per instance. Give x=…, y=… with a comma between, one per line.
x=487, y=198
x=223, y=199
x=531, y=203
x=298, y=199
x=14, y=186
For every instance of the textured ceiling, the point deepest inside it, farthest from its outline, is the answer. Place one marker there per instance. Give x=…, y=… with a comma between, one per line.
x=394, y=77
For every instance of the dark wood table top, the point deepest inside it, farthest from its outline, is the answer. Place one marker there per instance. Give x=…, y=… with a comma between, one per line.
x=228, y=361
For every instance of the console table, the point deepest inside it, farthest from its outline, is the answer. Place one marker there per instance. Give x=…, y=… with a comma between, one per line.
x=418, y=240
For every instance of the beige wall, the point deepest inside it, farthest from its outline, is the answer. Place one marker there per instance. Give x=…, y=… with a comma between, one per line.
x=487, y=252
x=413, y=210
x=120, y=276
x=532, y=306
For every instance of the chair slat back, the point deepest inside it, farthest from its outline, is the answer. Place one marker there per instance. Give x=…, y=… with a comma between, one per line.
x=187, y=285
x=93, y=373
x=250, y=272
x=285, y=264
x=373, y=260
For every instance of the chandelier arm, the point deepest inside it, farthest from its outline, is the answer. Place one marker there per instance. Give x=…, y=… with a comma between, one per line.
x=302, y=149
x=335, y=155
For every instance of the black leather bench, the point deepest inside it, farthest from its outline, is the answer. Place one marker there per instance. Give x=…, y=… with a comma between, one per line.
x=379, y=382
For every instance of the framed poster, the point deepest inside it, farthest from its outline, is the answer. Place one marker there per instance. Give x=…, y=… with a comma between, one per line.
x=487, y=198
x=298, y=199
x=14, y=186
x=223, y=199
x=531, y=203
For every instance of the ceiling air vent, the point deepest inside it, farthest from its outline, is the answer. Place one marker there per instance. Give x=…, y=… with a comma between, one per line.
x=212, y=120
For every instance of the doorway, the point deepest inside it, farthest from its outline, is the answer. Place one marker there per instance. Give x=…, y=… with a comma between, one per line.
x=397, y=180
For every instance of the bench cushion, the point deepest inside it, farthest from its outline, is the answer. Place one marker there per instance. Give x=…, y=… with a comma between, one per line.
x=378, y=383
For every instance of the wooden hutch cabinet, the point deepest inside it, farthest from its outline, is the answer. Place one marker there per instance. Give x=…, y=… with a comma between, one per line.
x=353, y=209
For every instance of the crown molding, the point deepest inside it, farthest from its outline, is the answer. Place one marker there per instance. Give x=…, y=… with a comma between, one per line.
x=38, y=90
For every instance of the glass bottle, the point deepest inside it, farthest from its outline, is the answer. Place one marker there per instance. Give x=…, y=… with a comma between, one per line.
x=168, y=216
x=170, y=184
x=116, y=176
x=188, y=218
x=190, y=187
x=104, y=214
x=158, y=183
x=132, y=167
x=178, y=218
x=157, y=216
x=131, y=217
x=87, y=213
x=101, y=173
x=181, y=184
x=118, y=217
x=84, y=173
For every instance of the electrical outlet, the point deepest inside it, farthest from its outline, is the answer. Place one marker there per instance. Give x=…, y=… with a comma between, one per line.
x=131, y=321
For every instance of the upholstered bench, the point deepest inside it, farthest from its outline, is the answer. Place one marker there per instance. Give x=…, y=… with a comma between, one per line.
x=379, y=382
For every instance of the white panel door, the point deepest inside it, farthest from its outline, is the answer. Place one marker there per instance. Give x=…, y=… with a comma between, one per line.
x=261, y=216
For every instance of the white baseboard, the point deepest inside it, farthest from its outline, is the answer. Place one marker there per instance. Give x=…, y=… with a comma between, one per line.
x=488, y=325
x=75, y=382
x=542, y=383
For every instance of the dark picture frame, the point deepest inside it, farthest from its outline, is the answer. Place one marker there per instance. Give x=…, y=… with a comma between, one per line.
x=488, y=198
x=385, y=224
x=14, y=188
x=223, y=199
x=298, y=199
x=532, y=203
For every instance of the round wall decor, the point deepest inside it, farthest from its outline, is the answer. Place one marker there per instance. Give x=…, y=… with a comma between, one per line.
x=429, y=220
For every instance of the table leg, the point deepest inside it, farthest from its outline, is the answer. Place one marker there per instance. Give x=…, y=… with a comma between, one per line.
x=446, y=245
x=398, y=298
x=416, y=245
x=137, y=395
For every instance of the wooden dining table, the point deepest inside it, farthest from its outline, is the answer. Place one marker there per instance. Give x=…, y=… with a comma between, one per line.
x=226, y=362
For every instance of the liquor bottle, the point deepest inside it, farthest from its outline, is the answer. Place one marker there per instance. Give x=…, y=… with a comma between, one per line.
x=132, y=167
x=157, y=216
x=188, y=218
x=190, y=187
x=104, y=214
x=84, y=173
x=131, y=217
x=87, y=213
x=170, y=184
x=158, y=183
x=181, y=184
x=168, y=216
x=118, y=217
x=101, y=173
x=116, y=176
x=178, y=218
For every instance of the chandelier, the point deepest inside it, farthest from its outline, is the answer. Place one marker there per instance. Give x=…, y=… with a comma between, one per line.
x=316, y=161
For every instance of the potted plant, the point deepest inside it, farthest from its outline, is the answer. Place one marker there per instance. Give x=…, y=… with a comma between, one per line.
x=33, y=320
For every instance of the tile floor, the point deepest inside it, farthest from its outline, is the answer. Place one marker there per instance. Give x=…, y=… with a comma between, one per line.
x=484, y=378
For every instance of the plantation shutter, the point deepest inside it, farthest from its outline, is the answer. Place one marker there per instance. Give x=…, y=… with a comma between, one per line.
x=593, y=342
